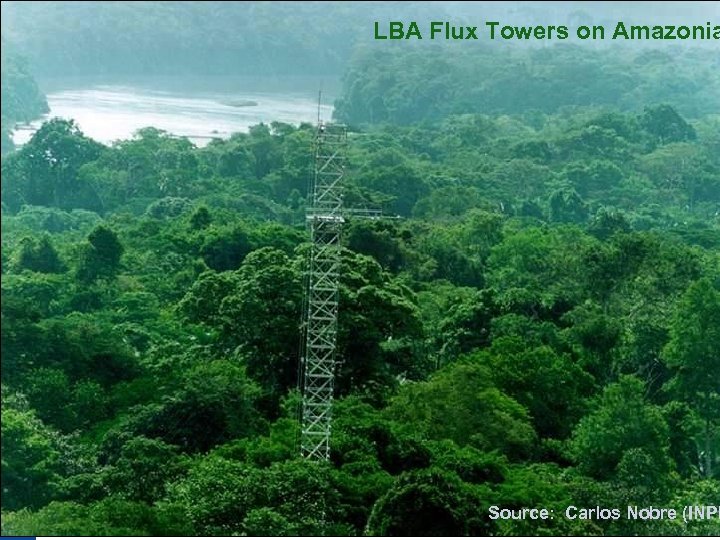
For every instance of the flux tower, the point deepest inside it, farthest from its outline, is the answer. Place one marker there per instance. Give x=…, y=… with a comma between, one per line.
x=320, y=313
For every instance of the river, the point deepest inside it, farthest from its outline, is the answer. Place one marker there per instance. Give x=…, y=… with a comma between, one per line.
x=200, y=109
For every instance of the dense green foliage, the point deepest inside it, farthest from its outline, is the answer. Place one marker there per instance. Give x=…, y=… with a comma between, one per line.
x=481, y=79
x=539, y=328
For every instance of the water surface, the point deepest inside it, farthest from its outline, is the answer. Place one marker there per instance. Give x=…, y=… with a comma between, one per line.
x=198, y=109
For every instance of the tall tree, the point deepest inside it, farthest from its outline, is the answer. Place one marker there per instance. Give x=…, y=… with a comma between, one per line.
x=694, y=353
x=622, y=424
x=101, y=256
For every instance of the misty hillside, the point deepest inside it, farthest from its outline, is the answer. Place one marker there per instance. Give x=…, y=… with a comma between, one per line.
x=100, y=38
x=105, y=38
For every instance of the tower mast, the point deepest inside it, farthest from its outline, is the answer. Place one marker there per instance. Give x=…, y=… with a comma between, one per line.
x=318, y=357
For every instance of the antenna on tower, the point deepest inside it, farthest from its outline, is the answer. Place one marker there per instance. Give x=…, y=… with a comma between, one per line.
x=319, y=102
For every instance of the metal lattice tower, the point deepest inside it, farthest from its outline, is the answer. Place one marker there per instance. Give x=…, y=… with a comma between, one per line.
x=325, y=217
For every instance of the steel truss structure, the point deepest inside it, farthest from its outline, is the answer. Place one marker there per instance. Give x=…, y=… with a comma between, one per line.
x=318, y=355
